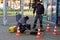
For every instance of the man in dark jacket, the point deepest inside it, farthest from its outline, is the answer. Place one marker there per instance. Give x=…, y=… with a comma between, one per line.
x=39, y=8
x=23, y=24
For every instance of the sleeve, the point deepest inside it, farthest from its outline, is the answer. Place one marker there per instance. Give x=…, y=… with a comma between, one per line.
x=34, y=10
x=42, y=9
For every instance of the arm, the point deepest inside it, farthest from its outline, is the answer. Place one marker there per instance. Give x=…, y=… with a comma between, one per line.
x=42, y=9
x=34, y=10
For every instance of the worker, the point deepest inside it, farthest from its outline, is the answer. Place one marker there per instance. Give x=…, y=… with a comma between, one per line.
x=23, y=24
x=39, y=9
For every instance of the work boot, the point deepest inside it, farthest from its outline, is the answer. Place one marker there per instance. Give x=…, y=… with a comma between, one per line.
x=22, y=30
x=41, y=27
x=41, y=30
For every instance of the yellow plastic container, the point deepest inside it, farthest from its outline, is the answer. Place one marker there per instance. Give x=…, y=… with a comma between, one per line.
x=12, y=29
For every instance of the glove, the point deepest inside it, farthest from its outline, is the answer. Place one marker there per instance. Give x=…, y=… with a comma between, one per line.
x=42, y=14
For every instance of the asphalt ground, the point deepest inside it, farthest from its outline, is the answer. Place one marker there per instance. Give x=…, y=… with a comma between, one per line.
x=6, y=35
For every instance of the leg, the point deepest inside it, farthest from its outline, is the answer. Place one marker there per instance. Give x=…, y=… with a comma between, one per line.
x=35, y=21
x=18, y=24
x=40, y=19
x=22, y=28
x=28, y=26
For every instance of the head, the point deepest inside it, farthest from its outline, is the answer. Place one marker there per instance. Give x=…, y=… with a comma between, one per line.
x=26, y=17
x=38, y=2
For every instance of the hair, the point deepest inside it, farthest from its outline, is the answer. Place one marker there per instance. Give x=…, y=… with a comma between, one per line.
x=27, y=17
x=38, y=0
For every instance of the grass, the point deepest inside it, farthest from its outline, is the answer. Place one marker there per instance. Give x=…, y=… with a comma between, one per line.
x=14, y=12
x=28, y=12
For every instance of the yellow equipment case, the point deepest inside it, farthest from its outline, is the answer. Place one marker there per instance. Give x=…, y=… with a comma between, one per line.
x=12, y=29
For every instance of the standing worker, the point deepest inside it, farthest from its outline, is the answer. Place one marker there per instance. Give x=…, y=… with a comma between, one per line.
x=39, y=8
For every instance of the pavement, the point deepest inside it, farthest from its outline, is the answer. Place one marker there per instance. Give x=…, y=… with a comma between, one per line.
x=6, y=35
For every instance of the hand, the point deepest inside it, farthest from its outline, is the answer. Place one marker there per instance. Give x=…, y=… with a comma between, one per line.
x=33, y=15
x=42, y=14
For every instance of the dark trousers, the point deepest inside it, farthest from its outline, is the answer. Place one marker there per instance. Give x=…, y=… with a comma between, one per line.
x=24, y=27
x=40, y=21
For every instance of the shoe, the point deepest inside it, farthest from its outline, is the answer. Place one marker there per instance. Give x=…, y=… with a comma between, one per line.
x=22, y=30
x=42, y=29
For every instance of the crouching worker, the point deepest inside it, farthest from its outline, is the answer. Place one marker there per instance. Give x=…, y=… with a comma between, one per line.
x=23, y=24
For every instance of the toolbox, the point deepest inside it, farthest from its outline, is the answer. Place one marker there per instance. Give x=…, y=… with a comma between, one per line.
x=12, y=29
x=44, y=18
